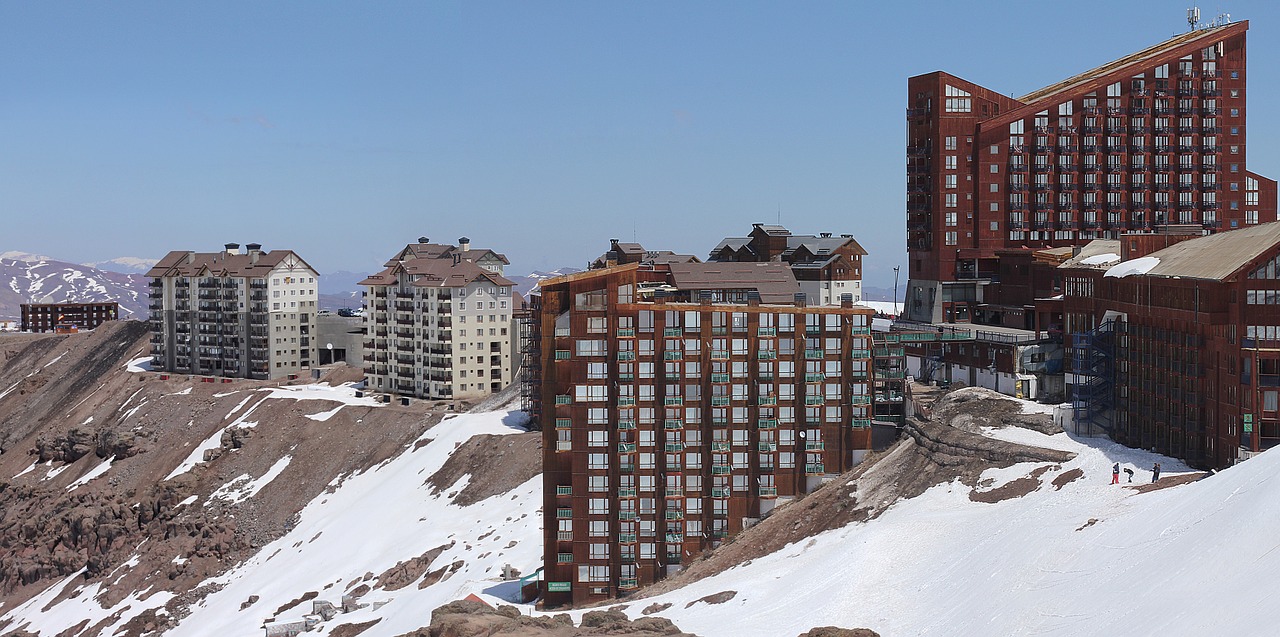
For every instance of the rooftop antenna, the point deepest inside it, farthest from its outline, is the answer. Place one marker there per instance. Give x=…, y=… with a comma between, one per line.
x=1193, y=17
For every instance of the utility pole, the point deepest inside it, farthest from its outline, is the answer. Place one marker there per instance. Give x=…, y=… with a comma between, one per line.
x=896, y=311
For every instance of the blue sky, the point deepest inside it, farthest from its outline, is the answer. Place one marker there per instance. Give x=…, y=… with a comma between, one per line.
x=344, y=130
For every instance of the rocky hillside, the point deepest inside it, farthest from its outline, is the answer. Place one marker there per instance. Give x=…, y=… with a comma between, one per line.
x=50, y=281
x=119, y=477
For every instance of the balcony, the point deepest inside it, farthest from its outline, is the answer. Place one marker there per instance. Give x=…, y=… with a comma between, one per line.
x=721, y=469
x=768, y=492
x=815, y=470
x=768, y=400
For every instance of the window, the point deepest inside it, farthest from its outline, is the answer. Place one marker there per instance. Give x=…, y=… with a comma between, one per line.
x=952, y=238
x=957, y=101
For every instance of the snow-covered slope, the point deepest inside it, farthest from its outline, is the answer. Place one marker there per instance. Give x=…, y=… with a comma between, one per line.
x=49, y=281
x=355, y=534
x=1089, y=558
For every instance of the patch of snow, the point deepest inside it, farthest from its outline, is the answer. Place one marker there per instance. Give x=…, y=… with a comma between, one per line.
x=1100, y=259
x=27, y=470
x=1140, y=265
x=214, y=441
x=93, y=473
x=187, y=500
x=245, y=487
x=183, y=392
x=53, y=473
x=142, y=364
x=87, y=421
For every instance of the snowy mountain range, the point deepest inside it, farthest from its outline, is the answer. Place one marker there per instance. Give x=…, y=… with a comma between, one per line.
x=34, y=279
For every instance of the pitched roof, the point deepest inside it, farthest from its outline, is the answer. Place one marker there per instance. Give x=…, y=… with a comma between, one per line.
x=816, y=245
x=1133, y=59
x=1217, y=256
x=189, y=264
x=441, y=251
x=774, y=281
x=1096, y=254
x=433, y=272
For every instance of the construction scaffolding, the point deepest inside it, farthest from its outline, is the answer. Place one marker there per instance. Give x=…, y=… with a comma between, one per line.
x=531, y=362
x=1093, y=356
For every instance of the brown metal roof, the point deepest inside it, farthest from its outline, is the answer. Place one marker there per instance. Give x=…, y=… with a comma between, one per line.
x=774, y=281
x=189, y=264
x=1218, y=256
x=434, y=272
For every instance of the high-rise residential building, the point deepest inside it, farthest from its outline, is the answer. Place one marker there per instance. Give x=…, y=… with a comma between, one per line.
x=440, y=323
x=246, y=314
x=679, y=402
x=48, y=317
x=827, y=267
x=1156, y=138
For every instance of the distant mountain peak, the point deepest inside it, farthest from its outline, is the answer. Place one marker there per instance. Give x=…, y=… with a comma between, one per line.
x=126, y=265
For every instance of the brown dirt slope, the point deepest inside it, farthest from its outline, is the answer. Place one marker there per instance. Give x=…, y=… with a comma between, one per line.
x=71, y=406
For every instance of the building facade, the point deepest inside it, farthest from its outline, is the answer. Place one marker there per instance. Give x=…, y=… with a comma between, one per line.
x=1155, y=138
x=46, y=317
x=679, y=402
x=440, y=323
x=1176, y=342
x=234, y=313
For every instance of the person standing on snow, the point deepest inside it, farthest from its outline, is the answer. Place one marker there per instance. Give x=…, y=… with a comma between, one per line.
x=1115, y=474
x=1155, y=472
x=1129, y=472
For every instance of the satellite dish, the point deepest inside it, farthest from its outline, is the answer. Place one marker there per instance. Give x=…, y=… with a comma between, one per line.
x=329, y=345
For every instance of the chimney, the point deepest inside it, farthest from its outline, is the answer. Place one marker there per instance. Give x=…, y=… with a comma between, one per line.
x=464, y=244
x=191, y=258
x=423, y=240
x=801, y=299
x=232, y=248
x=824, y=235
x=611, y=258
x=457, y=258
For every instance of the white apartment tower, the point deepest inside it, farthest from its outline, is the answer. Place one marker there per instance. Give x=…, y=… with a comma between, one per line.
x=440, y=323
x=234, y=313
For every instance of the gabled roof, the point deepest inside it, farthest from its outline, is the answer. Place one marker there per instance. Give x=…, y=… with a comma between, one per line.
x=435, y=272
x=819, y=245
x=192, y=264
x=442, y=251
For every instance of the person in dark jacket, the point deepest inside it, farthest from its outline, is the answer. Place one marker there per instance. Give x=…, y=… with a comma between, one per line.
x=1129, y=472
x=1115, y=474
x=1155, y=472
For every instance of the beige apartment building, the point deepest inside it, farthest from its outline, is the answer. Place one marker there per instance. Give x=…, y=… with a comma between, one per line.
x=234, y=313
x=440, y=323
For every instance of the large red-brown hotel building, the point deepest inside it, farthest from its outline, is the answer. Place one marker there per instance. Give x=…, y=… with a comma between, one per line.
x=1154, y=138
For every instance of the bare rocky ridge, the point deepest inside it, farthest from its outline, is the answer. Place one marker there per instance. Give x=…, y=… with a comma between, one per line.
x=466, y=618
x=70, y=407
